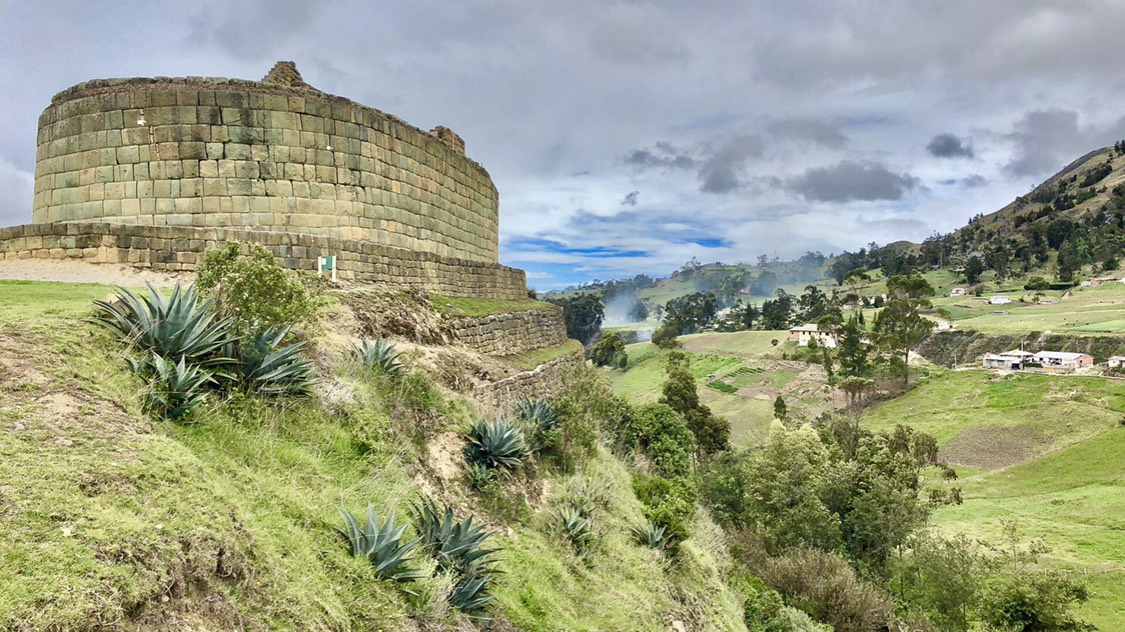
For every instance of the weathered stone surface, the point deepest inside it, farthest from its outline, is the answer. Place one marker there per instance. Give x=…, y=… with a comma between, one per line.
x=374, y=177
x=511, y=333
x=169, y=247
x=545, y=380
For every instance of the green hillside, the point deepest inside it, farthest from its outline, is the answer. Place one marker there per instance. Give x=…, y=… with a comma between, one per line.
x=114, y=521
x=1046, y=451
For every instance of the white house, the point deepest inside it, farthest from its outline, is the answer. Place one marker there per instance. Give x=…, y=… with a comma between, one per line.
x=1063, y=359
x=1012, y=360
x=957, y=291
x=1116, y=362
x=999, y=299
x=802, y=334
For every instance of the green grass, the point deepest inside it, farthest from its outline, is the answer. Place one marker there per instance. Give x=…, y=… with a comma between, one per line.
x=112, y=520
x=1069, y=489
x=1099, y=309
x=530, y=359
x=485, y=307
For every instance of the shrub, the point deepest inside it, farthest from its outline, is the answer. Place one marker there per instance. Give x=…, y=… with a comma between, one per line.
x=663, y=436
x=495, y=445
x=610, y=351
x=826, y=587
x=171, y=327
x=255, y=292
x=1035, y=601
x=381, y=544
x=175, y=389
x=665, y=335
x=669, y=503
x=259, y=364
x=762, y=610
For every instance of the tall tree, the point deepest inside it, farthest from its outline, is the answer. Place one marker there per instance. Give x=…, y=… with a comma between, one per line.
x=899, y=328
x=712, y=433
x=583, y=315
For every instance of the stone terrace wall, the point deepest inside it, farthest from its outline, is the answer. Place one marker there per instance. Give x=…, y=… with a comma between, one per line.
x=259, y=156
x=512, y=333
x=545, y=380
x=181, y=248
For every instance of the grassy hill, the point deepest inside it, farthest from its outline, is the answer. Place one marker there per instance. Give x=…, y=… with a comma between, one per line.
x=114, y=521
x=739, y=376
x=1046, y=451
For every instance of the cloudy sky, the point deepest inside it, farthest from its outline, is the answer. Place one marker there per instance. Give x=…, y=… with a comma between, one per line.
x=631, y=136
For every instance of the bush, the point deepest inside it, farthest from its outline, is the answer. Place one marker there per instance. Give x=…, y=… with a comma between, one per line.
x=665, y=335
x=1036, y=601
x=669, y=503
x=380, y=543
x=575, y=527
x=256, y=293
x=495, y=445
x=610, y=351
x=826, y=587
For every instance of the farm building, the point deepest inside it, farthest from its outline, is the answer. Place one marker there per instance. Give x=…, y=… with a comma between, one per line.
x=999, y=299
x=957, y=291
x=1116, y=362
x=810, y=331
x=1012, y=360
x=1063, y=359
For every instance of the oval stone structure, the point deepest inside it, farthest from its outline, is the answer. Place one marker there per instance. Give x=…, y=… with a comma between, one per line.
x=153, y=172
x=269, y=155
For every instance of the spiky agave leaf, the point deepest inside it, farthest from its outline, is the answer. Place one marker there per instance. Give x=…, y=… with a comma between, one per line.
x=260, y=364
x=175, y=326
x=379, y=354
x=381, y=543
x=176, y=389
x=542, y=422
x=649, y=535
x=454, y=545
x=470, y=595
x=495, y=444
x=575, y=527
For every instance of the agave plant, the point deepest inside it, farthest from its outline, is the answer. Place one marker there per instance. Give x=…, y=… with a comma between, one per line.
x=175, y=390
x=649, y=535
x=380, y=355
x=542, y=419
x=457, y=547
x=575, y=527
x=173, y=327
x=496, y=445
x=260, y=364
x=470, y=595
x=381, y=544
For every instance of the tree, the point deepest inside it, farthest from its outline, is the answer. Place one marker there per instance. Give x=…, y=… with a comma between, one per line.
x=899, y=328
x=583, y=315
x=638, y=312
x=692, y=312
x=712, y=433
x=665, y=335
x=777, y=313
x=973, y=269
x=902, y=286
x=610, y=351
x=852, y=350
x=749, y=314
x=780, y=409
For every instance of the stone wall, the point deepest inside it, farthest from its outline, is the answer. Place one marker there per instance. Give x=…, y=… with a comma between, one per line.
x=511, y=333
x=546, y=380
x=275, y=155
x=181, y=249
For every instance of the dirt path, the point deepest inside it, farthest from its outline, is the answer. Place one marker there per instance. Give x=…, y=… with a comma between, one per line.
x=72, y=271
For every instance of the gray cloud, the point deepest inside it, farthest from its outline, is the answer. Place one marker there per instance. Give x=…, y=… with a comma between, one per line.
x=227, y=26
x=1045, y=141
x=663, y=155
x=949, y=146
x=721, y=172
x=631, y=198
x=811, y=130
x=853, y=181
x=973, y=181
